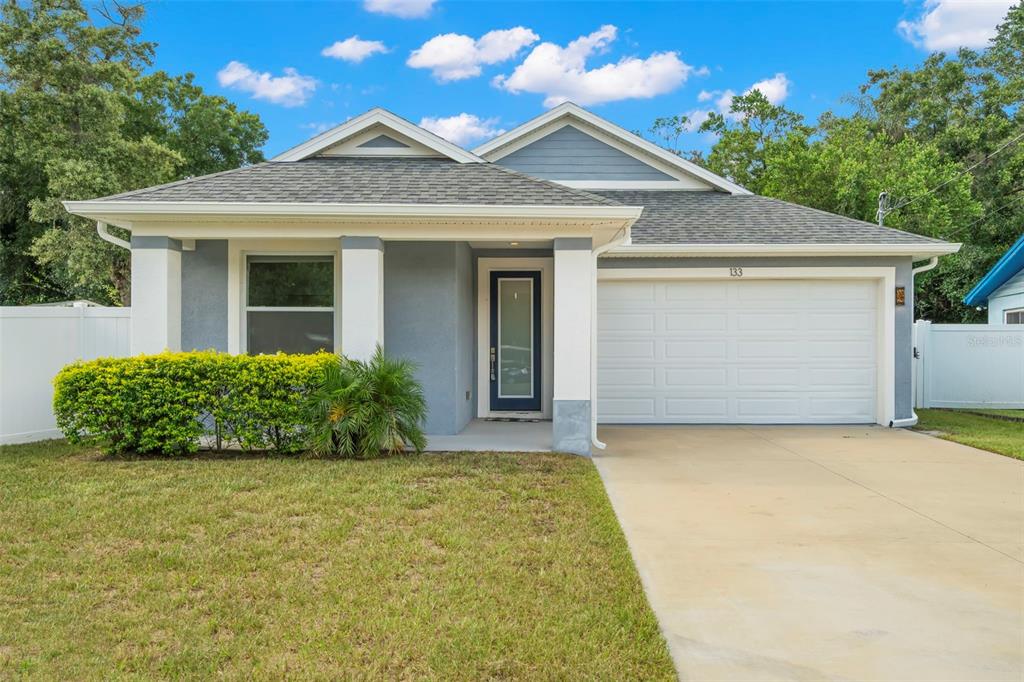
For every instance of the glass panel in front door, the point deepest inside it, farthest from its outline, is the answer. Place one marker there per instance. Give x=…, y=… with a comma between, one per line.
x=515, y=338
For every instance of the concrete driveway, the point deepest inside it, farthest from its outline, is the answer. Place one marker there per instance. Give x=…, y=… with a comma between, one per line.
x=824, y=553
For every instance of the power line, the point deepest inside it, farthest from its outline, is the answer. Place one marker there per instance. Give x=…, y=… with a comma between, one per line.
x=883, y=199
x=988, y=214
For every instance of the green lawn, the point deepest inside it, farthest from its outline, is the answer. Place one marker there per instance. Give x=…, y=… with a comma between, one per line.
x=467, y=566
x=987, y=433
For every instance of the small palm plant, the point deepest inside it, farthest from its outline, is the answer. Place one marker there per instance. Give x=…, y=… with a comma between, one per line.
x=367, y=409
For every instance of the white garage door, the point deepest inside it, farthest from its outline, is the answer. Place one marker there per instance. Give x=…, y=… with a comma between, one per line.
x=748, y=351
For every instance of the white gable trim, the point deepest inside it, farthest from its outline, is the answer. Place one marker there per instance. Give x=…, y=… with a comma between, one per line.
x=609, y=133
x=351, y=146
x=377, y=117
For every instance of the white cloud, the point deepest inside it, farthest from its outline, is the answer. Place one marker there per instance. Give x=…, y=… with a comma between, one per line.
x=463, y=128
x=290, y=90
x=947, y=25
x=353, y=49
x=404, y=9
x=774, y=89
x=561, y=74
x=453, y=56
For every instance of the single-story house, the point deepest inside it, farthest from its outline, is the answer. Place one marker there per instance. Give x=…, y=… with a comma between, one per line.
x=567, y=270
x=1001, y=290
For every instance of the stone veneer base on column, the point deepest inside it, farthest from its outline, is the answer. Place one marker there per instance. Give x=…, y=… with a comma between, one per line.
x=571, y=426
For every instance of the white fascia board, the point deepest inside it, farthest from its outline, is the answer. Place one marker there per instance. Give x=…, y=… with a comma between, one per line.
x=97, y=209
x=491, y=150
x=710, y=250
x=374, y=117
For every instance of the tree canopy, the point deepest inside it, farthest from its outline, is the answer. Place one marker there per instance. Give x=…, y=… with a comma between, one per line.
x=945, y=140
x=82, y=114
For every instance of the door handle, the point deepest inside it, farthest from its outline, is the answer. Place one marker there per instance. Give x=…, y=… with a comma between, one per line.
x=492, y=364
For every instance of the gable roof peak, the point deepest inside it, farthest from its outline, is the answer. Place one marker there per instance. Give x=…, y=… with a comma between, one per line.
x=377, y=116
x=499, y=146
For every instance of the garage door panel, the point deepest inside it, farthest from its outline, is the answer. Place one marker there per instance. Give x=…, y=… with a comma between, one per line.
x=769, y=351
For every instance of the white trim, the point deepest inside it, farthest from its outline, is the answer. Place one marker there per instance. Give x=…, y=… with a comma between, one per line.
x=377, y=116
x=503, y=144
x=483, y=393
x=674, y=185
x=243, y=209
x=922, y=250
x=350, y=146
x=238, y=252
x=885, y=403
x=1008, y=311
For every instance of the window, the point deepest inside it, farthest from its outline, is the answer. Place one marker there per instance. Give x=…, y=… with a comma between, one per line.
x=1015, y=316
x=289, y=304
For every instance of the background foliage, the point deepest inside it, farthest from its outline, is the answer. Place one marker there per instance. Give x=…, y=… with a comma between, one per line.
x=943, y=139
x=82, y=114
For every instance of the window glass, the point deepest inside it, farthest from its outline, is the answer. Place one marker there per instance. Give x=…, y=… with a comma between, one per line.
x=302, y=281
x=1015, y=316
x=290, y=304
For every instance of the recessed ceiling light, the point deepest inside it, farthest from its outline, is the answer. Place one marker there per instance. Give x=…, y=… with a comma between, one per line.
x=513, y=243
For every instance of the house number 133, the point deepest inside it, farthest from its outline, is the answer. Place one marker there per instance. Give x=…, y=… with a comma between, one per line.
x=735, y=272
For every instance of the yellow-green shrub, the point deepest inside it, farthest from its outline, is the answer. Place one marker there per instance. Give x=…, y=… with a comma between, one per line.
x=167, y=402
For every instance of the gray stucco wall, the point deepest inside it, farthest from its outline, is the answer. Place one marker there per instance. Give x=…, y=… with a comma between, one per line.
x=204, y=296
x=904, y=314
x=571, y=154
x=428, y=319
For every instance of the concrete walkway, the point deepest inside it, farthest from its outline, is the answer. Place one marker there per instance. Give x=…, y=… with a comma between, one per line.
x=824, y=553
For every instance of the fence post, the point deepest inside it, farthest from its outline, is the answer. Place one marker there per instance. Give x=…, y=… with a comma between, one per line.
x=922, y=333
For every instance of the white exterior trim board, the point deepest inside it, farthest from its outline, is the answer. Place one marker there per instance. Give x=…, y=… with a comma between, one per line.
x=707, y=250
x=377, y=117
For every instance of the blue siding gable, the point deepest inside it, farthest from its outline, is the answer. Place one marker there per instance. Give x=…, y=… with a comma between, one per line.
x=571, y=154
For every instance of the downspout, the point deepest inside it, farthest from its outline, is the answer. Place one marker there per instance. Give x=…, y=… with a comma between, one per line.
x=904, y=423
x=604, y=248
x=101, y=230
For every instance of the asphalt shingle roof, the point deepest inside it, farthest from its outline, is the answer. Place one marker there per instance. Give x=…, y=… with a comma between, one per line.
x=370, y=180
x=681, y=217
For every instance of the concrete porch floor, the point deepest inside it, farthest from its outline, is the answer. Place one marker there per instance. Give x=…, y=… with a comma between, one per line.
x=482, y=435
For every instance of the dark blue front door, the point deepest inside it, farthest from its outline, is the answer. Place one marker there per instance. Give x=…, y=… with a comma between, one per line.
x=515, y=340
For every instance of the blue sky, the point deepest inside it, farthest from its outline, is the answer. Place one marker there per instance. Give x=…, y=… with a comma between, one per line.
x=471, y=69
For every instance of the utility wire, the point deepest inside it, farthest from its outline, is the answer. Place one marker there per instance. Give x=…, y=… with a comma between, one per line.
x=884, y=210
x=988, y=214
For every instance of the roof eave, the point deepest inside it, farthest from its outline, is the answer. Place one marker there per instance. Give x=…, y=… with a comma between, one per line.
x=102, y=210
x=917, y=251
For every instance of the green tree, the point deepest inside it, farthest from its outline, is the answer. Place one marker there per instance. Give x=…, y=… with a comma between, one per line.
x=943, y=139
x=79, y=118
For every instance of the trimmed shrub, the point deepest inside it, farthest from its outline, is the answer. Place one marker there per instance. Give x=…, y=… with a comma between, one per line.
x=366, y=409
x=165, y=403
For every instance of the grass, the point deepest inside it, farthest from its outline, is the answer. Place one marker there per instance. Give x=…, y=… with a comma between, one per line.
x=466, y=566
x=996, y=435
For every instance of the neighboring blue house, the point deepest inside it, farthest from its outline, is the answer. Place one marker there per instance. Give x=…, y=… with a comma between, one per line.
x=1002, y=288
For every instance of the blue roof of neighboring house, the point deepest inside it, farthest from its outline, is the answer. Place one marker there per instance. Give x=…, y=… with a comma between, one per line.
x=1009, y=265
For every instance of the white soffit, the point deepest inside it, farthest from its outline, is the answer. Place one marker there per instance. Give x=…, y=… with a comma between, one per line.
x=378, y=121
x=607, y=132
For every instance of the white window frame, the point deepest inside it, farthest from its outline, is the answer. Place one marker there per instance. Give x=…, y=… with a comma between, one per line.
x=239, y=251
x=1008, y=311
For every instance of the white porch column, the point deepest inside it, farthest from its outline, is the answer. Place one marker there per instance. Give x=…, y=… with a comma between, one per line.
x=571, y=400
x=362, y=296
x=156, y=294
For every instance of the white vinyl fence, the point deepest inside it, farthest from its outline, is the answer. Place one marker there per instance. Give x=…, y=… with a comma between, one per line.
x=969, y=365
x=35, y=342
